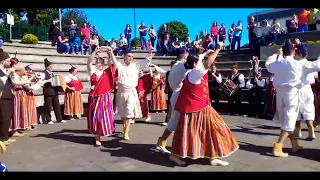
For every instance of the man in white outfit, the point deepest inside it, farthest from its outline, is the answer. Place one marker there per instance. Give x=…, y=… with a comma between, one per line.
x=306, y=109
x=127, y=98
x=287, y=80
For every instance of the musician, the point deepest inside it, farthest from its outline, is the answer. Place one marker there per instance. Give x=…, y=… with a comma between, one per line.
x=73, y=102
x=20, y=119
x=100, y=116
x=50, y=94
x=31, y=99
x=158, y=99
x=270, y=106
x=256, y=86
x=234, y=101
x=8, y=79
x=214, y=81
x=143, y=88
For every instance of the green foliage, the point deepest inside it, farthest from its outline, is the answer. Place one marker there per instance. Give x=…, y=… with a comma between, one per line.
x=175, y=28
x=116, y=41
x=201, y=34
x=29, y=39
x=135, y=42
x=79, y=17
x=102, y=41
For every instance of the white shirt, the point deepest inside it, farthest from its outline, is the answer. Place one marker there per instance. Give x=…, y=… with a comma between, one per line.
x=218, y=78
x=261, y=83
x=288, y=72
x=177, y=74
x=13, y=77
x=241, y=80
x=310, y=78
x=128, y=75
x=70, y=77
x=161, y=71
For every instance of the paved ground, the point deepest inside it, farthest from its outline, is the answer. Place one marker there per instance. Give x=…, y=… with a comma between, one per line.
x=68, y=147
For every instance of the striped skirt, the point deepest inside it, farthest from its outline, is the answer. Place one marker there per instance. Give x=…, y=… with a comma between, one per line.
x=144, y=103
x=203, y=134
x=32, y=110
x=20, y=111
x=317, y=109
x=158, y=99
x=100, y=116
x=73, y=103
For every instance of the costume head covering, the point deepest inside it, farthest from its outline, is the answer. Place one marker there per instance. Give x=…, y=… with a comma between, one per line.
x=181, y=51
x=127, y=51
x=3, y=55
x=47, y=62
x=28, y=68
x=287, y=47
x=303, y=50
x=72, y=68
x=14, y=60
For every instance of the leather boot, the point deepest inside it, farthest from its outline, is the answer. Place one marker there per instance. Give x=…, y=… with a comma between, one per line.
x=3, y=148
x=162, y=142
x=297, y=132
x=311, y=135
x=277, y=151
x=295, y=146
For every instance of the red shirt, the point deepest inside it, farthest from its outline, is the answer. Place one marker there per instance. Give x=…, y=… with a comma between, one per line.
x=214, y=30
x=85, y=32
x=303, y=18
x=206, y=42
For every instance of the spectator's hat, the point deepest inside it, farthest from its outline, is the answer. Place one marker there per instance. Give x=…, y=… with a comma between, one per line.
x=47, y=62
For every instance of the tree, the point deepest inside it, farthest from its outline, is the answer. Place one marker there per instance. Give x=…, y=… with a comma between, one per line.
x=201, y=35
x=135, y=42
x=79, y=17
x=175, y=28
x=102, y=40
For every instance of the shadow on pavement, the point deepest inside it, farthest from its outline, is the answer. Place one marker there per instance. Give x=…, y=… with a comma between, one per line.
x=140, y=152
x=250, y=131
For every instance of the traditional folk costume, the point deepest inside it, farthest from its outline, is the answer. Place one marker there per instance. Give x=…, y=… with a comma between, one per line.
x=51, y=97
x=288, y=84
x=158, y=99
x=201, y=132
x=73, y=102
x=234, y=101
x=270, y=105
x=316, y=91
x=215, y=80
x=256, y=90
x=101, y=117
x=143, y=89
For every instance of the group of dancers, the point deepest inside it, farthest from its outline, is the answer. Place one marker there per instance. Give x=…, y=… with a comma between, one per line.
x=199, y=130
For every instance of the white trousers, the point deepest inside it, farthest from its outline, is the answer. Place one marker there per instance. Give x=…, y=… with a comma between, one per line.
x=287, y=102
x=128, y=103
x=306, y=101
x=175, y=115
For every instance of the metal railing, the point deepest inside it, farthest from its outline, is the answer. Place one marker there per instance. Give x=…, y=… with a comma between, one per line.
x=19, y=30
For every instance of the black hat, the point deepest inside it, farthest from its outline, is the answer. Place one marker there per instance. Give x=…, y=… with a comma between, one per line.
x=287, y=47
x=127, y=51
x=47, y=62
x=28, y=68
x=3, y=55
x=303, y=50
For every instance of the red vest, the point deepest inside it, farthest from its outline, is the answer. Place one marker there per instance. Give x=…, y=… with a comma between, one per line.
x=105, y=83
x=77, y=84
x=316, y=85
x=144, y=83
x=193, y=97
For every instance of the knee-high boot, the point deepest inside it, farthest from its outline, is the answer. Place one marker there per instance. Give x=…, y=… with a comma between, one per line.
x=277, y=151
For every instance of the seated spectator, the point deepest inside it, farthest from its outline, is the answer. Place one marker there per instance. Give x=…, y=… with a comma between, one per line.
x=85, y=46
x=188, y=44
x=275, y=31
x=123, y=44
x=114, y=47
x=63, y=44
x=94, y=42
x=167, y=45
x=208, y=43
x=197, y=45
x=292, y=25
x=176, y=44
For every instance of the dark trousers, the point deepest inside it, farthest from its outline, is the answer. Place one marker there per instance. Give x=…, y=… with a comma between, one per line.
x=255, y=99
x=6, y=114
x=168, y=115
x=54, y=39
x=152, y=39
x=234, y=103
x=49, y=103
x=312, y=27
x=252, y=40
x=214, y=95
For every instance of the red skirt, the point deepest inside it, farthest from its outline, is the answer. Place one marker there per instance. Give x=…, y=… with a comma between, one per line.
x=144, y=103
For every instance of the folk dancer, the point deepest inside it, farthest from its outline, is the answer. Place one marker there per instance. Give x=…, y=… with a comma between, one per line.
x=177, y=74
x=101, y=114
x=73, y=102
x=143, y=88
x=31, y=99
x=20, y=112
x=182, y=56
x=127, y=97
x=307, y=108
x=8, y=78
x=288, y=84
x=270, y=106
x=214, y=81
x=316, y=91
x=51, y=95
x=199, y=121
x=234, y=101
x=158, y=99
x=256, y=86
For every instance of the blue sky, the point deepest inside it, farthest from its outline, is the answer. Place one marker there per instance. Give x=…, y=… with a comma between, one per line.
x=111, y=22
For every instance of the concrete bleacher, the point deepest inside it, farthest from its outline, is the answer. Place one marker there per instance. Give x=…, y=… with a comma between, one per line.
x=35, y=55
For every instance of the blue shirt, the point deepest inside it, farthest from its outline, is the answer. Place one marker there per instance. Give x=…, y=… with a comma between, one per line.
x=73, y=31
x=237, y=33
x=143, y=33
x=95, y=32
